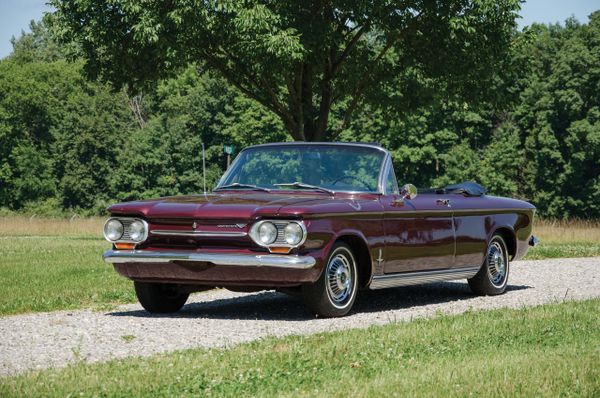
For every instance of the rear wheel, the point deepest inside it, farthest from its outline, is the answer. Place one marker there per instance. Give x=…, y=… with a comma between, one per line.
x=334, y=293
x=160, y=298
x=492, y=278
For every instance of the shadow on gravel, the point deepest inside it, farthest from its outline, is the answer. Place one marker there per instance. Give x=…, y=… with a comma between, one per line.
x=272, y=305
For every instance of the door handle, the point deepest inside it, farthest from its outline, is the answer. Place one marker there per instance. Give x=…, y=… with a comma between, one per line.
x=443, y=202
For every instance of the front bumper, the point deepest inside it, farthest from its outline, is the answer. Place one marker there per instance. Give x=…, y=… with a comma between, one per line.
x=245, y=260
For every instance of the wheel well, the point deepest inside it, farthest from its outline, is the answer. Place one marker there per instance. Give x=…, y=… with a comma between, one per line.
x=509, y=239
x=363, y=257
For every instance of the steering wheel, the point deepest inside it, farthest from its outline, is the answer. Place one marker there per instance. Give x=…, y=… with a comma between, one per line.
x=363, y=182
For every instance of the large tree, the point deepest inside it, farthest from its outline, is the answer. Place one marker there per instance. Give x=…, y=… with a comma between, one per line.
x=299, y=59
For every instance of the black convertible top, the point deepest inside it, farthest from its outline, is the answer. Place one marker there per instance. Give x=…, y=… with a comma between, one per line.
x=467, y=188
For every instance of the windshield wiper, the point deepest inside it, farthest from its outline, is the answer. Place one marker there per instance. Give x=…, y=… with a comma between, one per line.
x=238, y=185
x=305, y=186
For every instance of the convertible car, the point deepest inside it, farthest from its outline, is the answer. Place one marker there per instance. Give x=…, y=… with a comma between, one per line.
x=323, y=220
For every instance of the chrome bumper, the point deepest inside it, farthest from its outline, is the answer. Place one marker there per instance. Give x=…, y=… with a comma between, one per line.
x=249, y=260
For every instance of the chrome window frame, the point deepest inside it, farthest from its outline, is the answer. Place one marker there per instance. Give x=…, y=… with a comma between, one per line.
x=389, y=169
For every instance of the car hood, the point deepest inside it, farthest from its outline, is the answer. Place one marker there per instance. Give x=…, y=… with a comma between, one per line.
x=243, y=206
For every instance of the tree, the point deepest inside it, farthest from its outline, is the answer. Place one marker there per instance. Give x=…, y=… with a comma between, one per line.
x=299, y=59
x=37, y=45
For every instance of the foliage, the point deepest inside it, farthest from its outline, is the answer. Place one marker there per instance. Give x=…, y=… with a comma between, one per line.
x=297, y=59
x=68, y=143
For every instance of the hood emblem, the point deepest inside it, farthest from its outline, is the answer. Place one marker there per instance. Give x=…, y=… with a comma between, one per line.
x=240, y=226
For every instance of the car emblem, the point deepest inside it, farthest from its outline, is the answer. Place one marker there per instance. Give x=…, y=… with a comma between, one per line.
x=380, y=258
x=240, y=225
x=194, y=225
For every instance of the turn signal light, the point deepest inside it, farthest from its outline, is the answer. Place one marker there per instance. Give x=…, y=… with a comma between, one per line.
x=125, y=246
x=280, y=250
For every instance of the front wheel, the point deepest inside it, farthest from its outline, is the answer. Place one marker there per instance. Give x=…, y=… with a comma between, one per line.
x=333, y=294
x=159, y=298
x=493, y=275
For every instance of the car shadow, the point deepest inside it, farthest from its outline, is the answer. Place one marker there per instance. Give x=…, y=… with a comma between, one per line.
x=271, y=305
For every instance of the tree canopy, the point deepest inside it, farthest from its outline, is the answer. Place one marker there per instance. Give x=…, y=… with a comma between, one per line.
x=302, y=60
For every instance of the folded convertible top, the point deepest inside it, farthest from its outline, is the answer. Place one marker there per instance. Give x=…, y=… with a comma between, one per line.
x=467, y=188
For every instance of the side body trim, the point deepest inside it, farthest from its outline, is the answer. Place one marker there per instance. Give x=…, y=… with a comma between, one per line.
x=417, y=278
x=419, y=213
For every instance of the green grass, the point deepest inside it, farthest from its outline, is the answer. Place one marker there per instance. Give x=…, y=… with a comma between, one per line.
x=50, y=273
x=563, y=250
x=551, y=350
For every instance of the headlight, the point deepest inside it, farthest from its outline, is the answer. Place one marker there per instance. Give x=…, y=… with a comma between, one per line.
x=113, y=230
x=137, y=231
x=278, y=234
x=293, y=233
x=125, y=230
x=267, y=233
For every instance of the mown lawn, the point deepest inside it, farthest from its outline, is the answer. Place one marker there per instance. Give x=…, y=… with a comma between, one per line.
x=551, y=350
x=55, y=264
x=564, y=250
x=48, y=273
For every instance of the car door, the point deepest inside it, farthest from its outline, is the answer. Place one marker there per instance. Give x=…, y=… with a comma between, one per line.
x=419, y=232
x=472, y=226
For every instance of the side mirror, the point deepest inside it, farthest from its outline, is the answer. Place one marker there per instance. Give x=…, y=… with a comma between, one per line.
x=408, y=191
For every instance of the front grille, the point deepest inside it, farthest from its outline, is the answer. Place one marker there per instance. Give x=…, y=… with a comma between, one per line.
x=280, y=225
x=126, y=224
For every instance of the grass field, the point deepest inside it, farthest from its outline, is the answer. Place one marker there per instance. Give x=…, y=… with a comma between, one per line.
x=52, y=264
x=577, y=238
x=48, y=265
x=552, y=350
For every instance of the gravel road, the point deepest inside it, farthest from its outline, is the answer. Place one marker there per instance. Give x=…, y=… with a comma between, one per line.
x=221, y=318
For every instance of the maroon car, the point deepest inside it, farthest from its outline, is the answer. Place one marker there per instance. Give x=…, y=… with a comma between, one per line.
x=321, y=219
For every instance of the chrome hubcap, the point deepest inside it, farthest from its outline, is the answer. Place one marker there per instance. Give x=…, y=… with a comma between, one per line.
x=339, y=279
x=497, y=263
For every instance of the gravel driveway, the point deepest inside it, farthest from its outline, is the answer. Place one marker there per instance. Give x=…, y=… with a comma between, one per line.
x=221, y=318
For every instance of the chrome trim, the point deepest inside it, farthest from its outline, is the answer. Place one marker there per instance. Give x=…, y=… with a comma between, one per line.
x=534, y=241
x=420, y=213
x=417, y=278
x=204, y=234
x=292, y=143
x=382, y=171
x=245, y=260
x=277, y=243
x=126, y=221
x=388, y=168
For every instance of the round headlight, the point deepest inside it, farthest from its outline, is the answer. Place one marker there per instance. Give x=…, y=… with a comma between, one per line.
x=267, y=233
x=113, y=230
x=293, y=233
x=137, y=231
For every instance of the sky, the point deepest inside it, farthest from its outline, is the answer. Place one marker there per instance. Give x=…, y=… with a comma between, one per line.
x=16, y=14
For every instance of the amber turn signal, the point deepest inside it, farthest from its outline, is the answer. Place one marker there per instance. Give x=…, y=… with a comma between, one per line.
x=125, y=246
x=280, y=250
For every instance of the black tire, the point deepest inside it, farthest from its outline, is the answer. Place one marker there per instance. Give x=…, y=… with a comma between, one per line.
x=492, y=278
x=160, y=298
x=334, y=293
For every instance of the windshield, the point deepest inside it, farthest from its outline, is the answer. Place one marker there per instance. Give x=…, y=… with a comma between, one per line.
x=333, y=167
